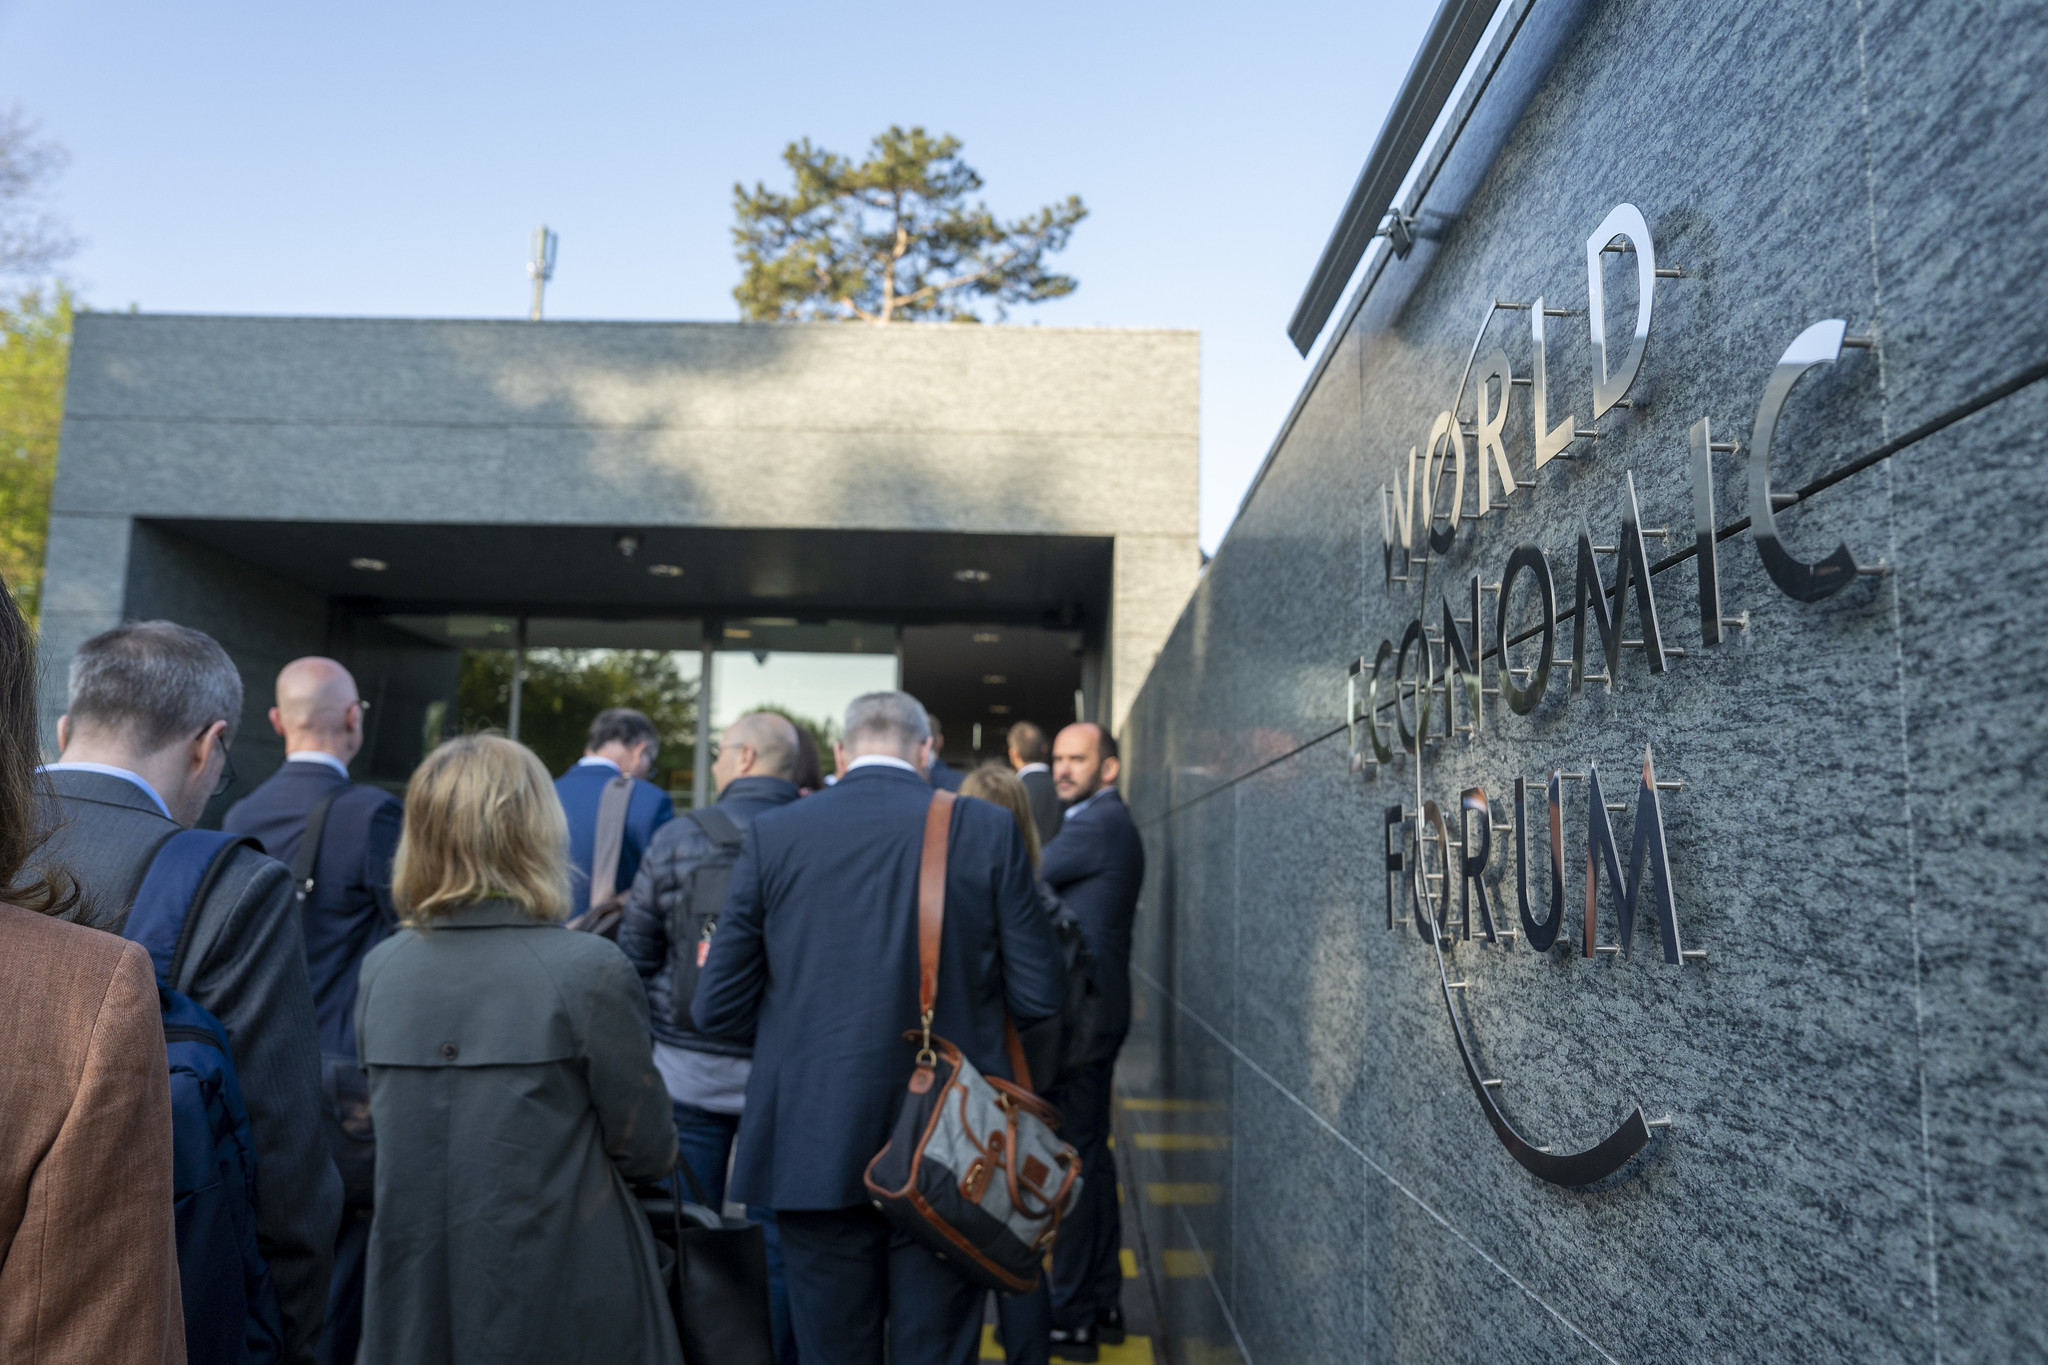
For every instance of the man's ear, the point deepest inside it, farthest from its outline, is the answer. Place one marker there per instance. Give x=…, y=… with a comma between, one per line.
x=277, y=720
x=63, y=732
x=201, y=749
x=1110, y=768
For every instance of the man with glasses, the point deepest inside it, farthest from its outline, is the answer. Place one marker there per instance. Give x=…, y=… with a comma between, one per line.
x=152, y=708
x=344, y=894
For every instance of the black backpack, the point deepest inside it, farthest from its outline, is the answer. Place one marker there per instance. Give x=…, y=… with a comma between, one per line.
x=1055, y=1048
x=694, y=916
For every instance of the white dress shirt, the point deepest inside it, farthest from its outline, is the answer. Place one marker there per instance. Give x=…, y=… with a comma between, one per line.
x=318, y=756
x=882, y=761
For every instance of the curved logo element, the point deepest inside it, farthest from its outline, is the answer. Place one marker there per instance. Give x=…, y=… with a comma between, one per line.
x=1572, y=1169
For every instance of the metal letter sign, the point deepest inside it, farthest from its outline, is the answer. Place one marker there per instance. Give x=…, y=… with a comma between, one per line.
x=1625, y=223
x=1416, y=847
x=1820, y=344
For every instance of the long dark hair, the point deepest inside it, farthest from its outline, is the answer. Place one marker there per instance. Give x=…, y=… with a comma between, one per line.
x=47, y=891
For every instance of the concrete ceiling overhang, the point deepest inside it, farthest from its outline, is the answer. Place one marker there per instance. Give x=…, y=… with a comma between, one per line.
x=902, y=576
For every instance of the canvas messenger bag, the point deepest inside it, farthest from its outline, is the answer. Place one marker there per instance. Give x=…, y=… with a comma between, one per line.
x=971, y=1170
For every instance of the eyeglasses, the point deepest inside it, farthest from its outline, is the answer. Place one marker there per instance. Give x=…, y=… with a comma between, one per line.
x=227, y=766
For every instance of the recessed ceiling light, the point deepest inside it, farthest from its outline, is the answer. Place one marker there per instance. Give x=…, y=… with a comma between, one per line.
x=368, y=564
x=999, y=710
x=738, y=633
x=994, y=679
x=665, y=570
x=970, y=575
x=986, y=637
x=627, y=543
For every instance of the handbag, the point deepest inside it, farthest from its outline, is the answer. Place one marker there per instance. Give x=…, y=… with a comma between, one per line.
x=972, y=1170
x=607, y=902
x=718, y=1277
x=1057, y=1047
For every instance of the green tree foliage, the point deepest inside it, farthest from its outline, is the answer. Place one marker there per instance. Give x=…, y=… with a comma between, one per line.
x=32, y=240
x=566, y=688
x=35, y=350
x=891, y=239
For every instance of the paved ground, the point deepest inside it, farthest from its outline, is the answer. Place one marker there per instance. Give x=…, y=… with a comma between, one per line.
x=1142, y=1343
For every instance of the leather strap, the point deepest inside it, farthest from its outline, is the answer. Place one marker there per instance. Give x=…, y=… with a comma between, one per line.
x=931, y=921
x=1019, y=1068
x=308, y=856
x=931, y=898
x=609, y=839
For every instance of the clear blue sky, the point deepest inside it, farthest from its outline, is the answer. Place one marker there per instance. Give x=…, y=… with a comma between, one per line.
x=378, y=158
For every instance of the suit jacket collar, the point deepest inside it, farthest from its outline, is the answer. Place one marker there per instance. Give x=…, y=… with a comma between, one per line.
x=880, y=772
x=313, y=773
x=1104, y=797
x=103, y=790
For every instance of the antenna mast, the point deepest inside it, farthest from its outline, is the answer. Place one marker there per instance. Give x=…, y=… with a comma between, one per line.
x=540, y=264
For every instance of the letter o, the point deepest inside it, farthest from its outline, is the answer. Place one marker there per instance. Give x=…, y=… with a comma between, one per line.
x=1522, y=700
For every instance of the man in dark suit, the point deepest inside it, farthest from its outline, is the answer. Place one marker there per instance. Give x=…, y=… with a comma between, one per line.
x=816, y=962
x=1029, y=753
x=1096, y=863
x=143, y=742
x=942, y=775
x=622, y=742
x=320, y=716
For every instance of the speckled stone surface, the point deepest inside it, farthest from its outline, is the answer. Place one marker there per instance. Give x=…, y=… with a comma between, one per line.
x=1857, y=1073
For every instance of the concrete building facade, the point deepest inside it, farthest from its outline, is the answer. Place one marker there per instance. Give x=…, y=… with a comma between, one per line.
x=374, y=488
x=1849, y=1041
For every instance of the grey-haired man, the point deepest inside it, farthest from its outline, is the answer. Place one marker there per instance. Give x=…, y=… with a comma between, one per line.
x=152, y=708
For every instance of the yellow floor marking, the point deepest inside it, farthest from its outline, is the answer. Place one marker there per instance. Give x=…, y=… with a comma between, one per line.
x=1188, y=1193
x=1119, y=1193
x=1180, y=1142
x=1136, y=1350
x=1186, y=1265
x=1144, y=1106
x=1129, y=1262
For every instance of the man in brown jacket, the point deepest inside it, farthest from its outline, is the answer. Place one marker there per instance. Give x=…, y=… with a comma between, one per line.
x=88, y=1257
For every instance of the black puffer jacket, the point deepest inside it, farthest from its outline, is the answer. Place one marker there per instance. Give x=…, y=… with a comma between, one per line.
x=678, y=849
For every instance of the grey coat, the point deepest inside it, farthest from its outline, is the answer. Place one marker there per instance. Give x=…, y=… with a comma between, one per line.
x=514, y=1095
x=247, y=964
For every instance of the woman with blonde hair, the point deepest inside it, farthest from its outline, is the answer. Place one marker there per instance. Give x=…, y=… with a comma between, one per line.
x=512, y=1091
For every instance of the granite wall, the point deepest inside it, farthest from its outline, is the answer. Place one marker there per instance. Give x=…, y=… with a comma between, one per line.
x=1856, y=1166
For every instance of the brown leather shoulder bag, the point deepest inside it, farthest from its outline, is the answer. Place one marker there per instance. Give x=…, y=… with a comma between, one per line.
x=971, y=1170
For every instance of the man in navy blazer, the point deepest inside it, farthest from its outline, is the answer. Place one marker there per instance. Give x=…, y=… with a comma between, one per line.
x=621, y=740
x=320, y=716
x=1096, y=863
x=942, y=775
x=815, y=962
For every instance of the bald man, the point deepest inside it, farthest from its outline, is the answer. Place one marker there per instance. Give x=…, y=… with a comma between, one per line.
x=349, y=912
x=671, y=914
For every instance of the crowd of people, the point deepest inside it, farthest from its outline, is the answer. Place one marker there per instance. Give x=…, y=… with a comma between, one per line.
x=342, y=1081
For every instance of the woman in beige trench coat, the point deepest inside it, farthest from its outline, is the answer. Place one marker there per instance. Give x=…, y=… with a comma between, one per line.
x=512, y=1091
